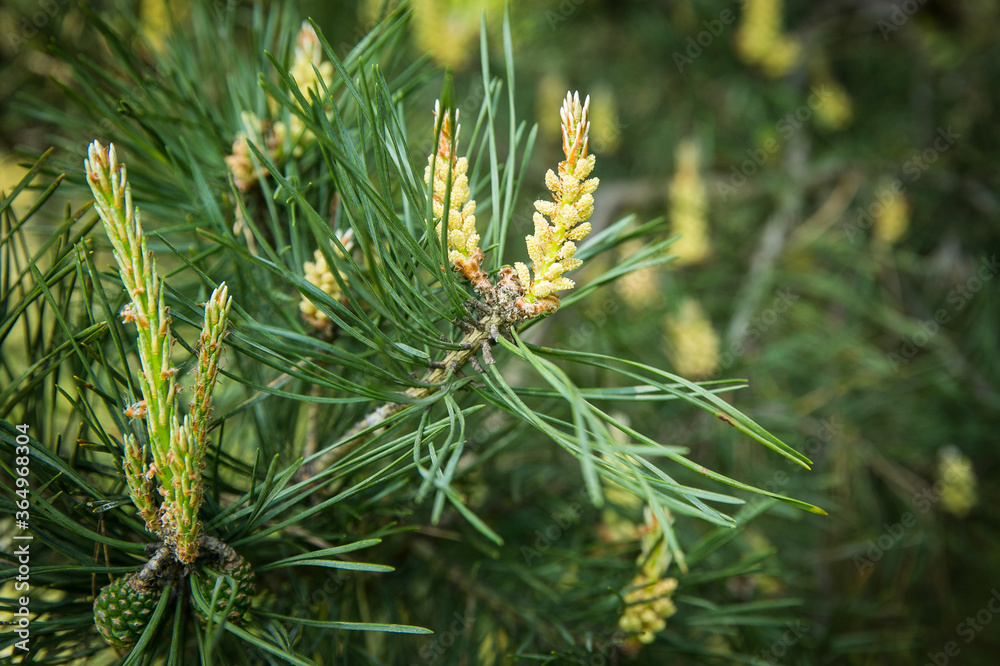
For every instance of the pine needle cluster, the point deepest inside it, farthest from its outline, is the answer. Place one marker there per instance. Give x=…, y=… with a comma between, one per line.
x=361, y=374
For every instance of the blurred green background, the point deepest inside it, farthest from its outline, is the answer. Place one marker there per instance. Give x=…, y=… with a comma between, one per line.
x=832, y=168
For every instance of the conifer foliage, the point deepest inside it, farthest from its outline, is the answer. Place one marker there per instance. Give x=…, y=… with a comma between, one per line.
x=353, y=342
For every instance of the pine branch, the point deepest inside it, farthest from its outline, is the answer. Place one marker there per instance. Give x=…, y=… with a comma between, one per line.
x=147, y=309
x=477, y=338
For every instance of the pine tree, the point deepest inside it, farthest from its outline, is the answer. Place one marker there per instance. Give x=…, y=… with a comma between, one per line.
x=344, y=298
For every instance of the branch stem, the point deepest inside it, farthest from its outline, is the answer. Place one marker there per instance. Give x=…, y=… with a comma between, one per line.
x=453, y=361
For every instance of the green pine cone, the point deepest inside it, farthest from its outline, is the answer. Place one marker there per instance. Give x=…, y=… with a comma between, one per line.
x=122, y=610
x=240, y=572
